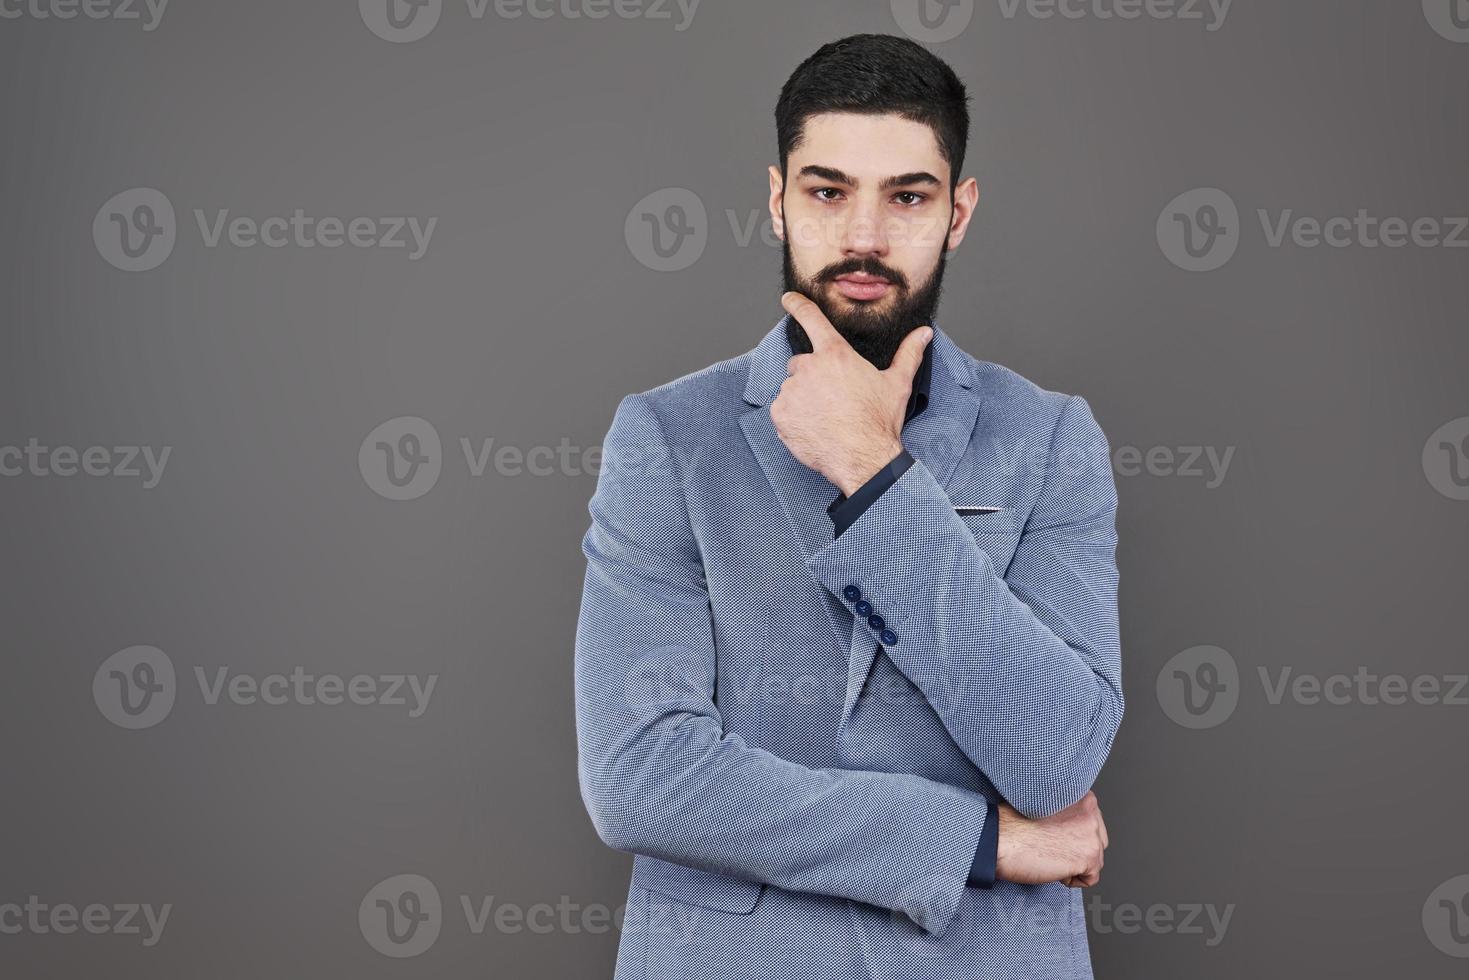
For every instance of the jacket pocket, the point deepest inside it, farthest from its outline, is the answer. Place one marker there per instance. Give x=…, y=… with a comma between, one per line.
x=1007, y=520
x=696, y=886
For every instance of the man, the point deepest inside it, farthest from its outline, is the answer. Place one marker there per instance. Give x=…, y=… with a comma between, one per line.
x=847, y=663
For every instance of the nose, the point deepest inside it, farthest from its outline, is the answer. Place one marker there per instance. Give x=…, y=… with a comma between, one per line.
x=862, y=232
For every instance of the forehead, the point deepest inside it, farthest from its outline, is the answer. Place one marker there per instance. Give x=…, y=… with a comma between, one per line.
x=864, y=145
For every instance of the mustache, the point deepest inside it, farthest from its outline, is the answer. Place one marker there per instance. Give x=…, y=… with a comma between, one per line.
x=868, y=264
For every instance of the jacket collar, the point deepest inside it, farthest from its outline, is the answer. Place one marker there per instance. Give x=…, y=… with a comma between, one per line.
x=938, y=438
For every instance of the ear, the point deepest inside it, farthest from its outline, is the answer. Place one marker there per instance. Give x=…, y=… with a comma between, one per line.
x=777, y=208
x=966, y=197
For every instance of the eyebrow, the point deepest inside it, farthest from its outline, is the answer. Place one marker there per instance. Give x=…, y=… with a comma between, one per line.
x=887, y=183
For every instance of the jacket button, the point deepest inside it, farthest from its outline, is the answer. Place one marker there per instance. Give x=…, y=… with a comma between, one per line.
x=863, y=607
x=852, y=593
x=876, y=621
x=888, y=637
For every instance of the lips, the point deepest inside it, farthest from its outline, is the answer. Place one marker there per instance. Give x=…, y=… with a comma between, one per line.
x=862, y=286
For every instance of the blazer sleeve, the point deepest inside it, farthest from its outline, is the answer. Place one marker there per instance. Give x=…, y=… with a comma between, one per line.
x=1024, y=670
x=659, y=775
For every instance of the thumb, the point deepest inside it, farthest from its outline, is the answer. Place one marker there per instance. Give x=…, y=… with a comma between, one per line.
x=910, y=353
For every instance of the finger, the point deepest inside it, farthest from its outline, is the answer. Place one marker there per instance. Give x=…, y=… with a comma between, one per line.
x=910, y=354
x=1102, y=829
x=796, y=362
x=823, y=335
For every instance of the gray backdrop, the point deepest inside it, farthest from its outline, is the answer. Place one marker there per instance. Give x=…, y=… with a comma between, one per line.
x=208, y=700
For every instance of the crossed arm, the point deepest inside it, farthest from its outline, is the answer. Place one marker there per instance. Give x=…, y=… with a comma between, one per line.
x=661, y=777
x=1025, y=669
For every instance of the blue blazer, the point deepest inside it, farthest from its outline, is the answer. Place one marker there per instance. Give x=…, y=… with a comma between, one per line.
x=804, y=794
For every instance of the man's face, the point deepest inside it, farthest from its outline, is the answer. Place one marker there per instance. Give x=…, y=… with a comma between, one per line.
x=865, y=215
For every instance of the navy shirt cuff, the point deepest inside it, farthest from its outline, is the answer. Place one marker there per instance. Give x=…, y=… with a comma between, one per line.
x=982, y=871
x=845, y=510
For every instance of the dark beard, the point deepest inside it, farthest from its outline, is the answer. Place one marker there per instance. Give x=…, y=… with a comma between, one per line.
x=873, y=335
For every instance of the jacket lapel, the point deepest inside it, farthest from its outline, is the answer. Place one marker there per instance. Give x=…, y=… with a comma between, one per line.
x=937, y=438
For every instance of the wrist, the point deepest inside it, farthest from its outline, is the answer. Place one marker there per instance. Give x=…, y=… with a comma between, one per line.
x=1011, y=838
x=856, y=472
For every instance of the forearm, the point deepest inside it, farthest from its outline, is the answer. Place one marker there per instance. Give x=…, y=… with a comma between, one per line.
x=661, y=777
x=1029, y=691
x=659, y=773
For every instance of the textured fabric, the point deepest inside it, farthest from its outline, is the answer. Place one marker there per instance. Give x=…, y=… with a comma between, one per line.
x=845, y=510
x=800, y=799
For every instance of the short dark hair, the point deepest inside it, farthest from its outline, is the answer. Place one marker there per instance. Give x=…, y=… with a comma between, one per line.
x=876, y=74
